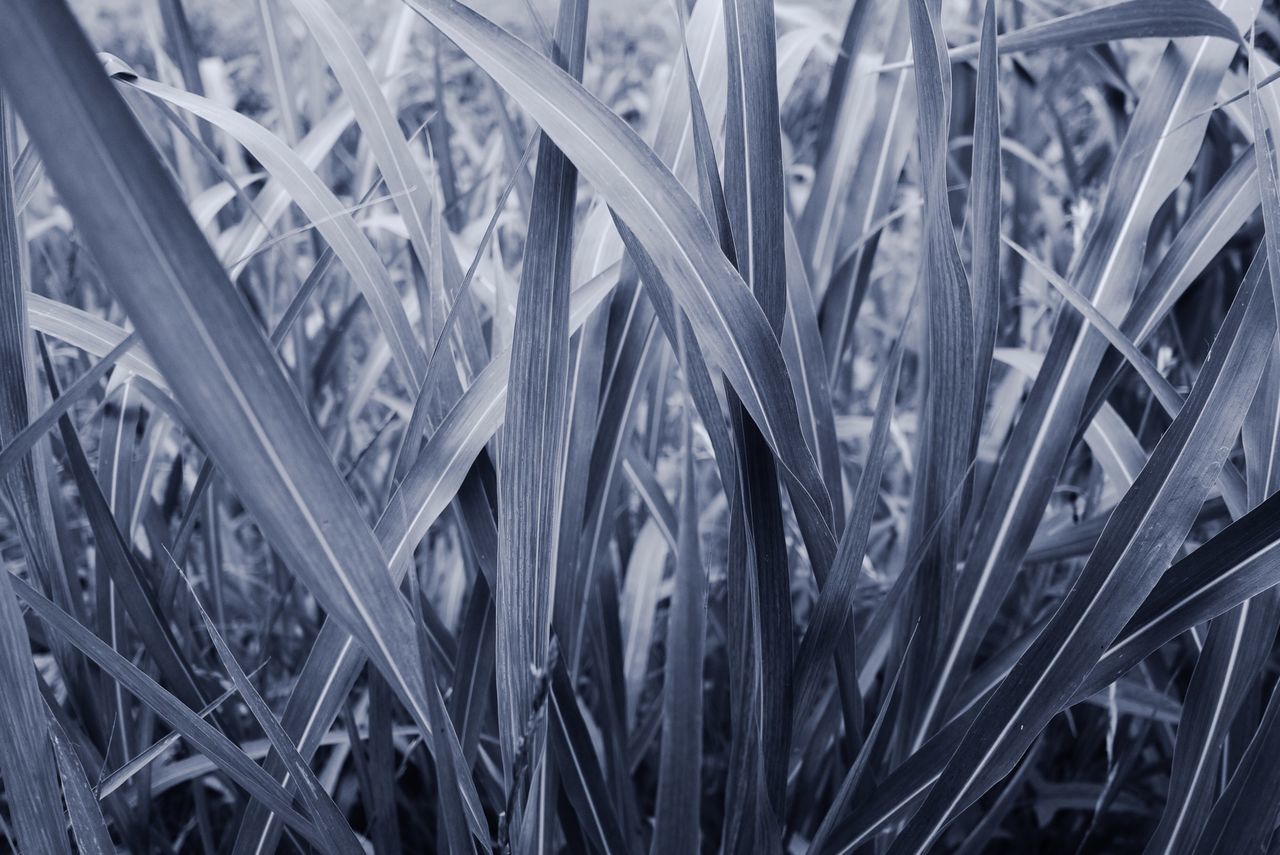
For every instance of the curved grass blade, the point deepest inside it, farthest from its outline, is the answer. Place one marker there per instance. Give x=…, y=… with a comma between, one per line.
x=408, y=185
x=92, y=335
x=220, y=365
x=328, y=819
x=330, y=216
x=726, y=318
x=1125, y=566
x=1128, y=19
x=195, y=729
x=1150, y=164
x=274, y=200
x=92, y=837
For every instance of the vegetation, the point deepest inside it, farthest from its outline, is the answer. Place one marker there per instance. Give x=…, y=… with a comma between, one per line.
x=741, y=428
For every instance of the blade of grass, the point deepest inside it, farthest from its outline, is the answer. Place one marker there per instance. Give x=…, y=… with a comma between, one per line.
x=883, y=154
x=945, y=446
x=1149, y=166
x=109, y=783
x=1128, y=561
x=30, y=773
x=677, y=812
x=92, y=837
x=984, y=204
x=91, y=334
x=533, y=449
x=834, y=610
x=26, y=760
x=1240, y=562
x=197, y=731
x=1237, y=646
x=754, y=204
x=1128, y=19
x=404, y=179
x=579, y=770
x=426, y=490
x=1244, y=817
x=328, y=819
x=725, y=317
x=319, y=204
x=128, y=578
x=249, y=417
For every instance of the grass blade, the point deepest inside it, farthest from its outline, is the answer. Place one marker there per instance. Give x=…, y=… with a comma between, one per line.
x=1149, y=165
x=984, y=204
x=534, y=442
x=92, y=837
x=834, y=609
x=229, y=380
x=727, y=320
x=406, y=182
x=1123, y=568
x=1129, y=19
x=26, y=761
x=580, y=771
x=197, y=731
x=677, y=814
x=332, y=219
x=944, y=440
x=329, y=821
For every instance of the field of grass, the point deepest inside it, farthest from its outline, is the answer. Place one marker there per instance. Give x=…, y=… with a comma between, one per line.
x=582, y=426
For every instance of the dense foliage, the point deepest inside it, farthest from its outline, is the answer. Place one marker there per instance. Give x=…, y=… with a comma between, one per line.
x=730, y=427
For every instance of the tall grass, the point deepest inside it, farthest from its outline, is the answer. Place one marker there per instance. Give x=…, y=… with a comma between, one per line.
x=845, y=435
